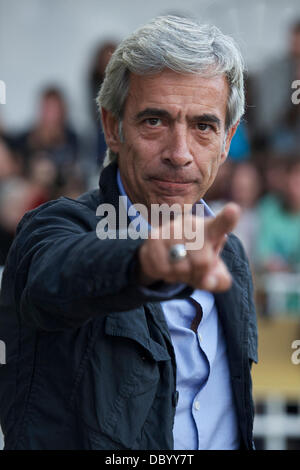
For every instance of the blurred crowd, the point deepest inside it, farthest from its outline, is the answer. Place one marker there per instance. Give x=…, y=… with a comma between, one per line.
x=49, y=159
x=262, y=172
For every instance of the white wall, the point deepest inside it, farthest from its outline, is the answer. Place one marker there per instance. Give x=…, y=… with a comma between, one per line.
x=44, y=41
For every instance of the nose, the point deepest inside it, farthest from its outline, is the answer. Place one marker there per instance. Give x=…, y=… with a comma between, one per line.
x=177, y=152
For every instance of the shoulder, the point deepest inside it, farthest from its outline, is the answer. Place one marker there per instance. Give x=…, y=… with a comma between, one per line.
x=63, y=211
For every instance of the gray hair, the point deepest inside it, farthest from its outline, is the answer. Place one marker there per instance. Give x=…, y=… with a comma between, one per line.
x=179, y=44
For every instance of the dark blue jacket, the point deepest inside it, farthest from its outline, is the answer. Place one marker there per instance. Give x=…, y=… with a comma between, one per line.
x=89, y=360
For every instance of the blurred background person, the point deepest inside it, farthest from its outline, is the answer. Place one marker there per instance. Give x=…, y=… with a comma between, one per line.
x=273, y=88
x=96, y=76
x=10, y=168
x=245, y=190
x=240, y=182
x=273, y=170
x=285, y=137
x=17, y=196
x=10, y=165
x=51, y=135
x=278, y=240
x=218, y=193
x=240, y=149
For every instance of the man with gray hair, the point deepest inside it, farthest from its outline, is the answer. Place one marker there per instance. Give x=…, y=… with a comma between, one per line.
x=116, y=342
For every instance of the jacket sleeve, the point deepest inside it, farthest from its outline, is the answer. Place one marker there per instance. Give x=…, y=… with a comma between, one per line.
x=65, y=275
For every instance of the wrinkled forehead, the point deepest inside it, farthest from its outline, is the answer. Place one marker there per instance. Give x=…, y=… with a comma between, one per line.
x=178, y=93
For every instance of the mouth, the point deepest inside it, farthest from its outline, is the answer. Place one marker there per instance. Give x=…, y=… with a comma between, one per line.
x=172, y=180
x=172, y=185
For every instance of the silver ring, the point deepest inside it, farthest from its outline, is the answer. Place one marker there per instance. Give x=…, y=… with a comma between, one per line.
x=177, y=252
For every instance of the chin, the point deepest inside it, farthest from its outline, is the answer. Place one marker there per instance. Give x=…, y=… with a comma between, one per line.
x=174, y=200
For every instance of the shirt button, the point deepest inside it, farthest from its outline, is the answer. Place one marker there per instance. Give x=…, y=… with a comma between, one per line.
x=199, y=336
x=197, y=405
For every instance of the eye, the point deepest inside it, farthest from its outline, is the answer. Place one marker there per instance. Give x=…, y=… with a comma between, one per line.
x=204, y=127
x=154, y=122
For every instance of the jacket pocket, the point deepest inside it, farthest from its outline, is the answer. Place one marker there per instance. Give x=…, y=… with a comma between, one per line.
x=150, y=347
x=120, y=384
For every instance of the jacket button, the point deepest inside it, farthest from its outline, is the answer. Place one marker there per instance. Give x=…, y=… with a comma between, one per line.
x=175, y=398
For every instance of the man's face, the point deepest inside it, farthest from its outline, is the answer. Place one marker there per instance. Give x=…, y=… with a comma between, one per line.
x=174, y=131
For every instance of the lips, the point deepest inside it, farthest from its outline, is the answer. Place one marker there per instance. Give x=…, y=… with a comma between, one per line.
x=172, y=181
x=172, y=187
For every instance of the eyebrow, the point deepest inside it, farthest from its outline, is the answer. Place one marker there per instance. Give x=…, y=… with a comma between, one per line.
x=162, y=113
x=206, y=117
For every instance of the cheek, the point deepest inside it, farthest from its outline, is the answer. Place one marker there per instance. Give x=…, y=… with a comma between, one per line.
x=137, y=159
x=146, y=154
x=210, y=151
x=208, y=163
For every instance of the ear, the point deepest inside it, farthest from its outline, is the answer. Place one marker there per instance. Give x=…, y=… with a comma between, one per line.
x=229, y=136
x=111, y=130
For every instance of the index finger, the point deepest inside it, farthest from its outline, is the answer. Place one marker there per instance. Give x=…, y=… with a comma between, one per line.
x=223, y=223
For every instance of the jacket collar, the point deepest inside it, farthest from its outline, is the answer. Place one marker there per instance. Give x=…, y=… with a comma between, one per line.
x=233, y=304
x=108, y=184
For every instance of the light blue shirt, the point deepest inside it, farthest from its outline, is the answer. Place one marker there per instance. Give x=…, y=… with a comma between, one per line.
x=205, y=417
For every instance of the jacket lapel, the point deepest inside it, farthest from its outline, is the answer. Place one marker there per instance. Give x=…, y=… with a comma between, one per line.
x=232, y=308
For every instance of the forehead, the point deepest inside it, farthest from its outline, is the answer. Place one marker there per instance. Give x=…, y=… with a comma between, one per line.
x=176, y=92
